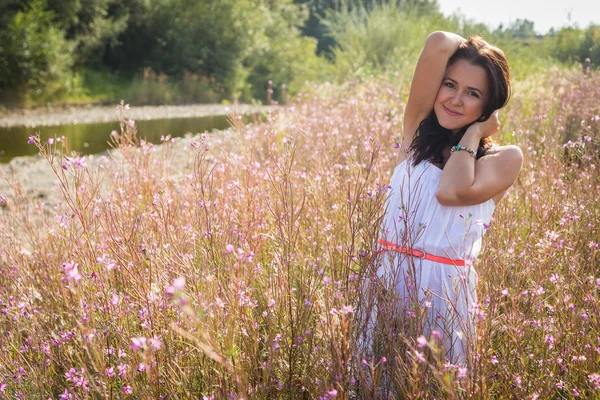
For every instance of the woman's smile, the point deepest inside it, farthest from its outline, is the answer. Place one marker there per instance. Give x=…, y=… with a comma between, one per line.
x=451, y=112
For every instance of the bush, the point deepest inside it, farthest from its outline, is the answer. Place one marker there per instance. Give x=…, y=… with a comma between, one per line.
x=35, y=58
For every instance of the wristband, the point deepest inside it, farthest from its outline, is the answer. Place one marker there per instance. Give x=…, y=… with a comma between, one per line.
x=458, y=147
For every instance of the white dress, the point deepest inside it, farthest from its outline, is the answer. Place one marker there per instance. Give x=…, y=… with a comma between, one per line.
x=414, y=218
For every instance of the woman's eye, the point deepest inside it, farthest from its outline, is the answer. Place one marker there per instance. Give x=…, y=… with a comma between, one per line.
x=475, y=94
x=449, y=84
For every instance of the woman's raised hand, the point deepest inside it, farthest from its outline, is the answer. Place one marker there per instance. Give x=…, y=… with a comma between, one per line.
x=488, y=127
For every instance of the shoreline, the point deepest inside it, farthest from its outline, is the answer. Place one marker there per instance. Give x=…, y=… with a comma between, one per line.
x=99, y=114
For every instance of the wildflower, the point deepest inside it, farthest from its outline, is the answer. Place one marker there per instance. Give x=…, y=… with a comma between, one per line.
x=70, y=374
x=480, y=222
x=110, y=372
x=594, y=379
x=31, y=140
x=122, y=370
x=494, y=360
x=130, y=123
x=128, y=390
x=64, y=395
x=138, y=343
x=550, y=341
x=156, y=343
x=420, y=356
x=229, y=249
x=332, y=393
x=462, y=372
x=75, y=162
x=177, y=286
x=71, y=272
x=50, y=141
x=421, y=341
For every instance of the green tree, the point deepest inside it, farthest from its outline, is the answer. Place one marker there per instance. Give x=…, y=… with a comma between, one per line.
x=567, y=43
x=316, y=26
x=35, y=56
x=590, y=45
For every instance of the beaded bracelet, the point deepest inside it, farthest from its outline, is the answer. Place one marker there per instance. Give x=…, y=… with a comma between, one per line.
x=458, y=147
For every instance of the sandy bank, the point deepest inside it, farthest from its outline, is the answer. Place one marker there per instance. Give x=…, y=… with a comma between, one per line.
x=96, y=114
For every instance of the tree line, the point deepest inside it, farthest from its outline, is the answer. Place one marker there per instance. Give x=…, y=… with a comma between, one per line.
x=207, y=50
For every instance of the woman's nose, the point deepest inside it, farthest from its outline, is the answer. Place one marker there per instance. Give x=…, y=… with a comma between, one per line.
x=456, y=98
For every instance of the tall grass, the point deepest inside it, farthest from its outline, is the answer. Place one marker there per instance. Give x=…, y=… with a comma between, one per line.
x=238, y=265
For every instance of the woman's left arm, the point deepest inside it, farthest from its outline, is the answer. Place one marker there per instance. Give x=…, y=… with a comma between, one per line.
x=465, y=181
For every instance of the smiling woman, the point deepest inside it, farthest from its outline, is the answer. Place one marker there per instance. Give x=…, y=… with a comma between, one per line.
x=462, y=97
x=445, y=188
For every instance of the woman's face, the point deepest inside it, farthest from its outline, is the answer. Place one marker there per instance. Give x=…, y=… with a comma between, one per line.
x=462, y=96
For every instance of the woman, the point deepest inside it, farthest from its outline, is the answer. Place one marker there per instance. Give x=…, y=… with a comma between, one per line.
x=444, y=190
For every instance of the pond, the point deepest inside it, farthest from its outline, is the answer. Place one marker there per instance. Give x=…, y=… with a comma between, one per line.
x=93, y=138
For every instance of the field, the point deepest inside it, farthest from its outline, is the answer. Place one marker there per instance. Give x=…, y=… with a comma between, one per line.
x=234, y=265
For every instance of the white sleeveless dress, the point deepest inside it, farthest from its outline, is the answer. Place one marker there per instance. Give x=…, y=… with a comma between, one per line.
x=414, y=218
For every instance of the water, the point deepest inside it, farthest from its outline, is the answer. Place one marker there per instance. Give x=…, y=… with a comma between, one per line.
x=93, y=138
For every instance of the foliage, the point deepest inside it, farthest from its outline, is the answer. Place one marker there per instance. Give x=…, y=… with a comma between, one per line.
x=35, y=56
x=236, y=47
x=573, y=45
x=316, y=27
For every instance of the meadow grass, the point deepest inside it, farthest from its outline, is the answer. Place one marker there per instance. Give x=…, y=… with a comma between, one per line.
x=237, y=265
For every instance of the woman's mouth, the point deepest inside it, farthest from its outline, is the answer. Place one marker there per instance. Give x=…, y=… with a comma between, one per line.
x=450, y=112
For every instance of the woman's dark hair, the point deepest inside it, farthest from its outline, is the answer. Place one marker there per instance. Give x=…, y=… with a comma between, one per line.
x=430, y=137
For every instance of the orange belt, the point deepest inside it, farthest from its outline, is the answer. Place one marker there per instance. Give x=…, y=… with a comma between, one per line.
x=389, y=246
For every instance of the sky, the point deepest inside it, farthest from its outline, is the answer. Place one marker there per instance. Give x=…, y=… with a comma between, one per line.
x=544, y=13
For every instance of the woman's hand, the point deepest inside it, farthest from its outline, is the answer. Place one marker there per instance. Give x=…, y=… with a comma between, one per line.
x=486, y=128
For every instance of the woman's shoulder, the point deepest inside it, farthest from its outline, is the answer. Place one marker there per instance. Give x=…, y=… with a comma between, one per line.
x=508, y=159
x=508, y=152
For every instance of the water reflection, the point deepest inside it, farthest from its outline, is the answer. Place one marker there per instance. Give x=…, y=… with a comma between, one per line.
x=93, y=138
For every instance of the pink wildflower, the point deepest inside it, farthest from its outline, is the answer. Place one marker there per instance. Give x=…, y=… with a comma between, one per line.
x=595, y=381
x=71, y=271
x=138, y=343
x=420, y=356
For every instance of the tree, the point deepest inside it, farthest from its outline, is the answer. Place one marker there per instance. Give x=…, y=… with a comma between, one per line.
x=35, y=56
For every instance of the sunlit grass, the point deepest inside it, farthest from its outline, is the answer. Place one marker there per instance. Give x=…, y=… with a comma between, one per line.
x=235, y=264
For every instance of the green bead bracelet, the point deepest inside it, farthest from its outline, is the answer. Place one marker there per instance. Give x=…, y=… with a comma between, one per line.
x=458, y=147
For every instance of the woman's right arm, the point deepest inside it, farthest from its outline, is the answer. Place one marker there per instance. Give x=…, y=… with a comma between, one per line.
x=427, y=79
